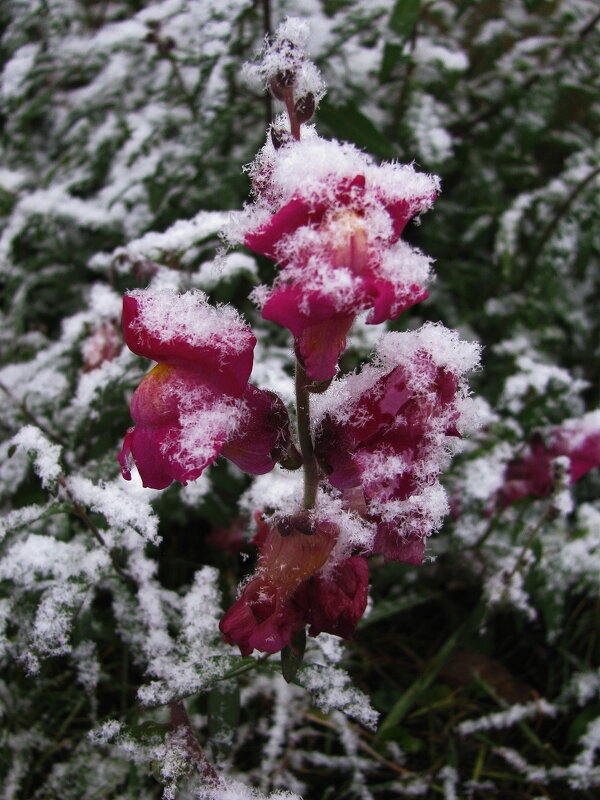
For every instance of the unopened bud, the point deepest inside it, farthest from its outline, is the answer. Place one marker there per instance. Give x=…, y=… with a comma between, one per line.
x=292, y=459
x=318, y=387
x=305, y=108
x=283, y=81
x=279, y=137
x=298, y=523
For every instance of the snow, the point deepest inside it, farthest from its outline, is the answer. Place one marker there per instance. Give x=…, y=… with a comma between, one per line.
x=331, y=689
x=46, y=455
x=118, y=503
x=189, y=318
x=509, y=717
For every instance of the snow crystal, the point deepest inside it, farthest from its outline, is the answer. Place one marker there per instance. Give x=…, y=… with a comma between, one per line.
x=85, y=656
x=22, y=517
x=106, y=732
x=506, y=583
x=280, y=489
x=195, y=491
x=426, y=51
x=45, y=454
x=190, y=317
x=537, y=377
x=118, y=503
x=449, y=778
x=17, y=69
x=211, y=273
x=443, y=345
x=181, y=236
x=332, y=689
x=48, y=557
x=484, y=476
x=505, y=719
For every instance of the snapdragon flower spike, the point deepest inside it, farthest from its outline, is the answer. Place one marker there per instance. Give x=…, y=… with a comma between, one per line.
x=532, y=474
x=197, y=400
x=332, y=220
x=290, y=589
x=384, y=435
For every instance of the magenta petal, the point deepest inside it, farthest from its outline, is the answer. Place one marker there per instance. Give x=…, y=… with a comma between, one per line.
x=125, y=458
x=225, y=365
x=320, y=346
x=264, y=436
x=393, y=548
x=389, y=301
x=261, y=620
x=339, y=601
x=285, y=303
x=156, y=470
x=293, y=215
x=585, y=456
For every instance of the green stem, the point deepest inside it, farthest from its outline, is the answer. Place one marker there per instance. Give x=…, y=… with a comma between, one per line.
x=311, y=469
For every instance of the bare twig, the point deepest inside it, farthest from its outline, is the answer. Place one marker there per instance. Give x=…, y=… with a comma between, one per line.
x=180, y=723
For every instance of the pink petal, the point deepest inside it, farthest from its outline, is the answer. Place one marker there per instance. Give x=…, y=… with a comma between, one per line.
x=264, y=436
x=225, y=366
x=320, y=346
x=298, y=212
x=339, y=601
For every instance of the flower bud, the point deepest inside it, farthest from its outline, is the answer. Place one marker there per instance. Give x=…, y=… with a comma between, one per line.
x=284, y=80
x=280, y=137
x=305, y=107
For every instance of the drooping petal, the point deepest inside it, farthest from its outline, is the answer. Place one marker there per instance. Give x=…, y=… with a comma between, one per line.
x=182, y=426
x=320, y=346
x=185, y=330
x=337, y=602
x=392, y=547
x=264, y=434
x=267, y=614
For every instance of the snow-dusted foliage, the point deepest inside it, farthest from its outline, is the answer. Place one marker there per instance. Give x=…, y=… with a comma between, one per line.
x=133, y=162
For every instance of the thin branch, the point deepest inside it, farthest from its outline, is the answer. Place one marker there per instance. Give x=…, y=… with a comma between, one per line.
x=363, y=745
x=80, y=512
x=551, y=225
x=31, y=417
x=311, y=469
x=180, y=722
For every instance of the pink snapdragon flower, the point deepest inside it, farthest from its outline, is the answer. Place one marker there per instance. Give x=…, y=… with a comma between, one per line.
x=332, y=220
x=532, y=474
x=196, y=403
x=386, y=433
x=288, y=591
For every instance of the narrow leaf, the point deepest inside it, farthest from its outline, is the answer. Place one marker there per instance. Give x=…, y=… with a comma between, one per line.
x=291, y=657
x=404, y=17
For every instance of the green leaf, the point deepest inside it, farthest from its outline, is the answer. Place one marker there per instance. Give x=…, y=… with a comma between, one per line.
x=404, y=17
x=424, y=681
x=392, y=55
x=291, y=657
x=347, y=123
x=389, y=608
x=223, y=715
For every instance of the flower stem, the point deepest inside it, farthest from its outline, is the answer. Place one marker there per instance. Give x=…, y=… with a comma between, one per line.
x=311, y=469
x=291, y=112
x=181, y=722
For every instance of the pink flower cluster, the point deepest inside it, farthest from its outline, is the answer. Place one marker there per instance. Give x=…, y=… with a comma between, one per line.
x=532, y=474
x=372, y=444
x=332, y=220
x=289, y=592
x=197, y=402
